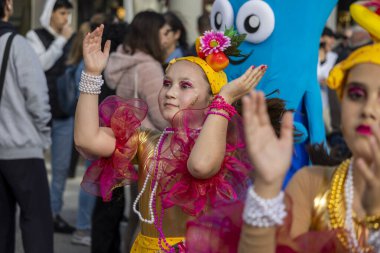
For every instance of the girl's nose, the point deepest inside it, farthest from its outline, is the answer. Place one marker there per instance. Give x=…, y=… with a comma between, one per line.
x=172, y=91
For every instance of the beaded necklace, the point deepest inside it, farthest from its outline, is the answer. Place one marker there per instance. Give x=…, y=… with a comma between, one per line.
x=341, y=215
x=154, y=169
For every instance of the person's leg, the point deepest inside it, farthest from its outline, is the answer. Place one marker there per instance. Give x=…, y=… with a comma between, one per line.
x=73, y=162
x=62, y=141
x=7, y=213
x=133, y=221
x=106, y=217
x=86, y=204
x=31, y=190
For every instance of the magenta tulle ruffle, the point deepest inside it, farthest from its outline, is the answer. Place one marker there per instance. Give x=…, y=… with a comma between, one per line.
x=105, y=174
x=177, y=186
x=219, y=231
x=216, y=231
x=181, y=189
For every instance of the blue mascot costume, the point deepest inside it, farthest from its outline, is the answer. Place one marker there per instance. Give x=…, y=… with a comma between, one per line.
x=285, y=36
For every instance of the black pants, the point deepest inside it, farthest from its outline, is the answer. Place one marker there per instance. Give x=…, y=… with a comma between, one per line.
x=106, y=218
x=24, y=181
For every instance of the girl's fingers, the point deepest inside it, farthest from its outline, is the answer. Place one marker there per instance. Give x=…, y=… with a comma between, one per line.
x=256, y=76
x=107, y=48
x=248, y=118
x=262, y=110
x=365, y=170
x=375, y=148
x=249, y=110
x=287, y=127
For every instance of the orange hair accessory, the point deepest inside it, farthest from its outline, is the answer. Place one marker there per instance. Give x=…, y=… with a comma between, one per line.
x=367, y=54
x=217, y=79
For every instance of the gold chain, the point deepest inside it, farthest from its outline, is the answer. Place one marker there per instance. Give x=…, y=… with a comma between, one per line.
x=337, y=210
x=336, y=206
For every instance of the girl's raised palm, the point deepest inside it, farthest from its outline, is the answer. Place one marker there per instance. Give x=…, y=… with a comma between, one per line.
x=270, y=155
x=240, y=86
x=371, y=173
x=95, y=59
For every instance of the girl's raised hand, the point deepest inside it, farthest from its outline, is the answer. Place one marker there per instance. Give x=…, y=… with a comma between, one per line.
x=240, y=86
x=270, y=155
x=371, y=173
x=95, y=59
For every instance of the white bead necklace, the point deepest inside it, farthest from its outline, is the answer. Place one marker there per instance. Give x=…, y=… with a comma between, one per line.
x=151, y=170
x=349, y=200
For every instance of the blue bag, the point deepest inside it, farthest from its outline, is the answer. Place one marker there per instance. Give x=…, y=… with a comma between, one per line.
x=67, y=88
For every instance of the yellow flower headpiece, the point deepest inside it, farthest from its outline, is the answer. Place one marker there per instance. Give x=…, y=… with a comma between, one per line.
x=217, y=79
x=213, y=50
x=367, y=54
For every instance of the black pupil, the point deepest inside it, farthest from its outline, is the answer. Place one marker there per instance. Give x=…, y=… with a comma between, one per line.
x=218, y=20
x=252, y=23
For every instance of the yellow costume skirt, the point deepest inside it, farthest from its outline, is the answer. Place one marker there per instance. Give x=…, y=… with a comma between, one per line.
x=145, y=244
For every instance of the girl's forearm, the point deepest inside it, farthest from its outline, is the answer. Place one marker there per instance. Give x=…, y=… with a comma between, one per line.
x=208, y=152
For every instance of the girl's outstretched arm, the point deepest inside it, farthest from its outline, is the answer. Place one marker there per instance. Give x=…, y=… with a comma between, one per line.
x=271, y=157
x=88, y=136
x=208, y=152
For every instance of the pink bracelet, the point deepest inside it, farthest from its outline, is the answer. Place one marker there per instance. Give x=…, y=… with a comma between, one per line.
x=220, y=104
x=220, y=114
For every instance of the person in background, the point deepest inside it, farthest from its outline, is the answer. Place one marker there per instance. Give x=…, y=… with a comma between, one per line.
x=335, y=206
x=24, y=135
x=135, y=69
x=86, y=201
x=203, y=24
x=176, y=37
x=52, y=44
x=326, y=61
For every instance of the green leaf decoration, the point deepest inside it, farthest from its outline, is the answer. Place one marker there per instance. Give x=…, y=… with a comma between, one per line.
x=230, y=32
x=236, y=40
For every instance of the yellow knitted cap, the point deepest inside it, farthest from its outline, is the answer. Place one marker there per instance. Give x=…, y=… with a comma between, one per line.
x=216, y=79
x=367, y=54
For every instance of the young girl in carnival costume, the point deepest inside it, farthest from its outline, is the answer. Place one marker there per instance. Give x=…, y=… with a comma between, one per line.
x=198, y=162
x=324, y=209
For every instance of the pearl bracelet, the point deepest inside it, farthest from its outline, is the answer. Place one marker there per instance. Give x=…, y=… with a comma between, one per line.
x=263, y=213
x=374, y=240
x=90, y=84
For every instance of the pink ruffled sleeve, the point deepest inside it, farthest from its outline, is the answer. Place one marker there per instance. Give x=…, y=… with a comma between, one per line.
x=194, y=195
x=221, y=229
x=124, y=117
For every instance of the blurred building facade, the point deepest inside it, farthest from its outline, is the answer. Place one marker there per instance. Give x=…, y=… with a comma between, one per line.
x=27, y=12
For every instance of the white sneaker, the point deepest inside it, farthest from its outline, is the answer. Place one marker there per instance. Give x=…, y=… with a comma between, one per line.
x=81, y=237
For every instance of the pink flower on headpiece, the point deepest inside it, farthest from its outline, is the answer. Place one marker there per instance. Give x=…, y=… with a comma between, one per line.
x=214, y=42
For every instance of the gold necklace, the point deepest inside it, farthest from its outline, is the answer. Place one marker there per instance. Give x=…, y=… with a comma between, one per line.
x=336, y=206
x=337, y=211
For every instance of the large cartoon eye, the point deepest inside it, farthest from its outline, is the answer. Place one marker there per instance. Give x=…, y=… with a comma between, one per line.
x=256, y=19
x=222, y=15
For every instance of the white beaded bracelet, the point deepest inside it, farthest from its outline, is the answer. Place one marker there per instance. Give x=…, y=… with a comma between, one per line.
x=374, y=240
x=90, y=84
x=263, y=213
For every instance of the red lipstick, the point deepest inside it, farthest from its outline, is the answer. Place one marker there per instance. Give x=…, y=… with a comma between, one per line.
x=364, y=130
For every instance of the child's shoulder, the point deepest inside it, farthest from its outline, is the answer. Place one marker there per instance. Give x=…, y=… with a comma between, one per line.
x=310, y=178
